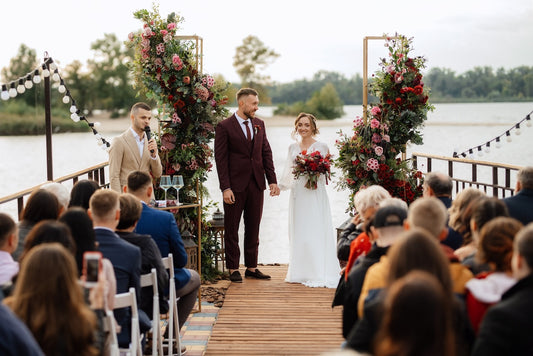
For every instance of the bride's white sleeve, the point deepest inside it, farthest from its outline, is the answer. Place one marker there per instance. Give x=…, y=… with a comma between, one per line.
x=287, y=179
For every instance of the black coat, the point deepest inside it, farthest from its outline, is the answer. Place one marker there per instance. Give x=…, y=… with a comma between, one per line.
x=507, y=326
x=520, y=206
x=355, y=284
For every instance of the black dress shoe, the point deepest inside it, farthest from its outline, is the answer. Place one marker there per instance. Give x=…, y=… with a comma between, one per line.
x=256, y=274
x=235, y=277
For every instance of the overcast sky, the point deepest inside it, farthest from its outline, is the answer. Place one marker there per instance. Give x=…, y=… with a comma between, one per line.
x=309, y=35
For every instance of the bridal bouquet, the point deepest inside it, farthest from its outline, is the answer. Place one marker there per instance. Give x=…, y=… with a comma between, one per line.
x=312, y=165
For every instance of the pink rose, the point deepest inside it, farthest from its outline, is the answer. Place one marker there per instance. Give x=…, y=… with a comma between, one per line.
x=163, y=32
x=171, y=26
x=131, y=36
x=374, y=123
x=375, y=111
x=386, y=138
x=398, y=78
x=378, y=150
x=176, y=60
x=376, y=138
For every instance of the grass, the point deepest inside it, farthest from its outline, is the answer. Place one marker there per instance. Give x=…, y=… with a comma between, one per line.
x=20, y=125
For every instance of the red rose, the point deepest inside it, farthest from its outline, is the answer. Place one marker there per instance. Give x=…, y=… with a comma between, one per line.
x=418, y=90
x=398, y=101
x=180, y=104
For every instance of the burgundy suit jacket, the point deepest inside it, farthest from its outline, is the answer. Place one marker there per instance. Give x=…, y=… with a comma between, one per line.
x=237, y=164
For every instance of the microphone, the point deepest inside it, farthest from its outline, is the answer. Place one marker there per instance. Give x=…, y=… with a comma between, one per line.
x=148, y=132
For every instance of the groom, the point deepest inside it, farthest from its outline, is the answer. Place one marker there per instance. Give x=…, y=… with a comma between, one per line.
x=243, y=158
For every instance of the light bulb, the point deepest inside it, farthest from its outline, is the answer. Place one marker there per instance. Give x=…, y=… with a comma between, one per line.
x=528, y=123
x=66, y=99
x=36, y=77
x=53, y=66
x=98, y=137
x=21, y=88
x=5, y=95
x=509, y=139
x=61, y=89
x=97, y=124
x=498, y=143
x=517, y=132
x=28, y=83
x=12, y=91
x=55, y=76
x=487, y=149
x=46, y=73
x=75, y=117
x=73, y=109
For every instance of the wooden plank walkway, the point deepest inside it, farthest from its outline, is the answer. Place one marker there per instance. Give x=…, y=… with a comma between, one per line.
x=276, y=318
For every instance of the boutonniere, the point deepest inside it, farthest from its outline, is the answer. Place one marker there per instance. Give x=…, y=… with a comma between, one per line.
x=257, y=128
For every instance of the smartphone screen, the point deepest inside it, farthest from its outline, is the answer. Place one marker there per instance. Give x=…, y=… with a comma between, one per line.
x=92, y=270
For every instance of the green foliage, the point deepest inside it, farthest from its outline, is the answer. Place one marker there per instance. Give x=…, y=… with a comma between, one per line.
x=190, y=104
x=369, y=156
x=324, y=104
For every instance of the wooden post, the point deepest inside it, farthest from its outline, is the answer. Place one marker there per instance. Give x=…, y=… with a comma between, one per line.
x=48, y=124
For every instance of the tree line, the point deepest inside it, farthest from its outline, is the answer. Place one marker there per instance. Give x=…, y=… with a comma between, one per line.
x=105, y=82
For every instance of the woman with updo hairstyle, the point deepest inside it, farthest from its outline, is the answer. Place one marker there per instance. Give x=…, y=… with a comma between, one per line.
x=49, y=300
x=495, y=248
x=419, y=294
x=49, y=231
x=81, y=193
x=458, y=210
x=312, y=124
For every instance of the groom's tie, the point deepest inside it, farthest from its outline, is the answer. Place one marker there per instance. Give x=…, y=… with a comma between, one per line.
x=248, y=133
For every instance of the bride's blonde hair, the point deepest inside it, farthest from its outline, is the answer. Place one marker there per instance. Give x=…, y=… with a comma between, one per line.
x=312, y=119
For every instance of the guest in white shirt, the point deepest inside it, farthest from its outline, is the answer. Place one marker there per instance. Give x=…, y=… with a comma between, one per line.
x=8, y=244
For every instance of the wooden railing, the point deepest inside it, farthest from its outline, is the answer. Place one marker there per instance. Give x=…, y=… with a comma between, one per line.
x=96, y=173
x=494, y=179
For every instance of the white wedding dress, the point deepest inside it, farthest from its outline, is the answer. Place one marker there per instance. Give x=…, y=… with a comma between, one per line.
x=312, y=246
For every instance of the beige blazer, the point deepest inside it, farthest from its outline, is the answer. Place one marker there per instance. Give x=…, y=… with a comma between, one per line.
x=124, y=158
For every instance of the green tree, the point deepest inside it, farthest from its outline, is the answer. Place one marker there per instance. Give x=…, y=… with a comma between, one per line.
x=112, y=78
x=326, y=104
x=81, y=86
x=23, y=63
x=251, y=57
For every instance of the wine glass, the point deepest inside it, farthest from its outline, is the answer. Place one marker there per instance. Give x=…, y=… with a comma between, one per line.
x=166, y=184
x=177, y=183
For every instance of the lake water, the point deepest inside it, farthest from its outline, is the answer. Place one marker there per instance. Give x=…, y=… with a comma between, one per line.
x=451, y=127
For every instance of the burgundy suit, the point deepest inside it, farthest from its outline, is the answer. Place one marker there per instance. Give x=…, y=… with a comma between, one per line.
x=242, y=167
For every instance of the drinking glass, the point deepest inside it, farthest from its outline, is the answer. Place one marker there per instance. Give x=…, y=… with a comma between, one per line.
x=177, y=183
x=166, y=184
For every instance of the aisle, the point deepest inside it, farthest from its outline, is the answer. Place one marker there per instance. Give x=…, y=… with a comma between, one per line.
x=275, y=318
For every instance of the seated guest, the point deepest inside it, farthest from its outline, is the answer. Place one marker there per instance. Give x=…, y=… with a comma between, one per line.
x=430, y=332
x=48, y=231
x=440, y=186
x=520, y=205
x=130, y=212
x=161, y=225
x=506, y=327
x=483, y=210
x=8, y=243
x=61, y=192
x=41, y=205
x=104, y=210
x=366, y=203
x=81, y=228
x=385, y=227
x=81, y=192
x=460, y=212
x=49, y=300
x=495, y=250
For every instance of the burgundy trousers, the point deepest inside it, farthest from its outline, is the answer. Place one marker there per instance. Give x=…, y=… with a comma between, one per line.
x=248, y=204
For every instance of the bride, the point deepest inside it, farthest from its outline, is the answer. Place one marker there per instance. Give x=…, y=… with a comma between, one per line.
x=312, y=255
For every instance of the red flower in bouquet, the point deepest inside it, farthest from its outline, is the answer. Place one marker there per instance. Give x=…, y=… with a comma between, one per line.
x=312, y=166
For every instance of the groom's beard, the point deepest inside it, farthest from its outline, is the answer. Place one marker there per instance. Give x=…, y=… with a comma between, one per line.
x=249, y=114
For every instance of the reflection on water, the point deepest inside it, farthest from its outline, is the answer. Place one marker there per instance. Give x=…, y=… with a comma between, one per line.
x=24, y=159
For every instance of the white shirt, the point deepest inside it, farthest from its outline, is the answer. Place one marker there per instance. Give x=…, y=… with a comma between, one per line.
x=243, y=126
x=8, y=267
x=139, y=140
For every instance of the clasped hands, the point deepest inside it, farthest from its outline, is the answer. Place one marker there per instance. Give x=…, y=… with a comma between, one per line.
x=229, y=197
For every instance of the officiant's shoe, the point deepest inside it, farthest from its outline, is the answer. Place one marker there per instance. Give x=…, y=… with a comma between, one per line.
x=256, y=274
x=235, y=277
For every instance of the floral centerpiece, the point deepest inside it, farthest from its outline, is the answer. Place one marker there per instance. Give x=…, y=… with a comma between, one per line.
x=370, y=155
x=189, y=104
x=311, y=166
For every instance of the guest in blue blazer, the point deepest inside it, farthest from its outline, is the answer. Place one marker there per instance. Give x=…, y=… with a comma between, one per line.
x=104, y=210
x=520, y=205
x=161, y=225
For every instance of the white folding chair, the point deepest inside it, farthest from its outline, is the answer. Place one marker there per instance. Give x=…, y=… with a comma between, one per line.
x=124, y=300
x=173, y=321
x=109, y=325
x=147, y=280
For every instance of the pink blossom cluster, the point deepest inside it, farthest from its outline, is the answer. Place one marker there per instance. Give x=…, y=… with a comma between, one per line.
x=208, y=81
x=176, y=119
x=358, y=122
x=201, y=92
x=177, y=62
x=160, y=48
x=372, y=164
x=193, y=165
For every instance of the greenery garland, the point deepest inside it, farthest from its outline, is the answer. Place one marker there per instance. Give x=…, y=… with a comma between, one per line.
x=189, y=103
x=370, y=155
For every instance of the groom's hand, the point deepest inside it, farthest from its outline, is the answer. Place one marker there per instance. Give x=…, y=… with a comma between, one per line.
x=228, y=196
x=274, y=190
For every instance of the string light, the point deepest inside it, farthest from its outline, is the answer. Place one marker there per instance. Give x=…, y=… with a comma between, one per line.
x=14, y=88
x=498, y=143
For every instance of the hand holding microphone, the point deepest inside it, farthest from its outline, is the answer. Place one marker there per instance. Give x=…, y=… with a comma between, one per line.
x=148, y=132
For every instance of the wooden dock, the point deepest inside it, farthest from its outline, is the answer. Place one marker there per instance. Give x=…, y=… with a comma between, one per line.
x=276, y=318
